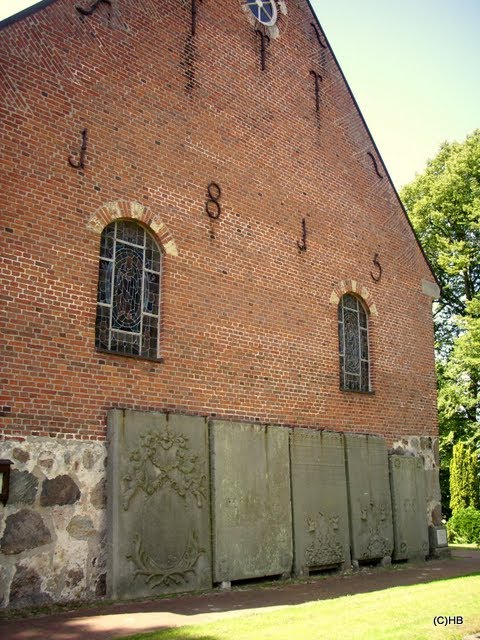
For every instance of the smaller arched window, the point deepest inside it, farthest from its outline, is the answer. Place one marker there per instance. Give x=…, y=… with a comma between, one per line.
x=353, y=343
x=128, y=300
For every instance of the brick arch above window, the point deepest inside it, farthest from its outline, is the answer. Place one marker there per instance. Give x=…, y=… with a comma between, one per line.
x=355, y=287
x=111, y=211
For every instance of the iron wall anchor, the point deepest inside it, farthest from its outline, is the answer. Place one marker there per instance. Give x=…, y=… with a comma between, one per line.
x=375, y=165
x=318, y=78
x=303, y=244
x=93, y=7
x=377, y=278
x=317, y=33
x=263, y=51
x=212, y=200
x=83, y=150
x=194, y=16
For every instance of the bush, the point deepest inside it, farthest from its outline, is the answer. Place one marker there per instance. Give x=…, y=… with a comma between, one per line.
x=464, y=526
x=464, y=477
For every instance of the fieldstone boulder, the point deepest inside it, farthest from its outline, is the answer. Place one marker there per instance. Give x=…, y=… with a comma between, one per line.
x=23, y=487
x=101, y=586
x=24, y=530
x=80, y=527
x=98, y=495
x=74, y=576
x=58, y=491
x=26, y=589
x=21, y=455
x=46, y=463
x=89, y=458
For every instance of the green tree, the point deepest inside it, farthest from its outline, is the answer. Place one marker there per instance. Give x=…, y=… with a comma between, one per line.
x=443, y=204
x=464, y=478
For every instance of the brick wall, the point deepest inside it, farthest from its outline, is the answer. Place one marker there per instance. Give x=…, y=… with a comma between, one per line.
x=248, y=322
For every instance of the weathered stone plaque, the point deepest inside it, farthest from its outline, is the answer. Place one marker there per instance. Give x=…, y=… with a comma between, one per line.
x=370, y=510
x=157, y=504
x=319, y=500
x=409, y=506
x=251, y=508
x=433, y=496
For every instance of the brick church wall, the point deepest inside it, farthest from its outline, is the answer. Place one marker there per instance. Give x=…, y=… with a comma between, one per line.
x=248, y=321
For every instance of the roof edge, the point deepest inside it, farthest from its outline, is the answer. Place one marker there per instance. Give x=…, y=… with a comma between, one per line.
x=376, y=148
x=24, y=13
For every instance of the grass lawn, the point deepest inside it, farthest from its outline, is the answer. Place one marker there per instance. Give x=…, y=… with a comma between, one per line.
x=401, y=613
x=465, y=545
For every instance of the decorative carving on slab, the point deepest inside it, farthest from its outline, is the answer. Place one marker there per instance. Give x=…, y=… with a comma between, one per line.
x=325, y=547
x=175, y=572
x=410, y=505
x=163, y=459
x=374, y=517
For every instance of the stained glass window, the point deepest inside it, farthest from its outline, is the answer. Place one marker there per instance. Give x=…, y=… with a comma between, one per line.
x=265, y=11
x=128, y=291
x=353, y=345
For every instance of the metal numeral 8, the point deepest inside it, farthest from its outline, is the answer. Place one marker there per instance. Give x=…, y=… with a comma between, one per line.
x=212, y=206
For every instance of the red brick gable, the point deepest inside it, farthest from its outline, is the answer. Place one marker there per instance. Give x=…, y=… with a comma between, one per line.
x=248, y=329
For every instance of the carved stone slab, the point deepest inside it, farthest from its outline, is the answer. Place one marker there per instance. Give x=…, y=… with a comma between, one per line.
x=371, y=528
x=409, y=505
x=158, y=504
x=319, y=500
x=251, y=508
x=433, y=496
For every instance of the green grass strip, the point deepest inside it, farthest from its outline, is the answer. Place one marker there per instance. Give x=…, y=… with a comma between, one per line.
x=400, y=613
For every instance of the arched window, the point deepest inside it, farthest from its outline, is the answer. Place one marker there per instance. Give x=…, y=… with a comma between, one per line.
x=128, y=291
x=353, y=341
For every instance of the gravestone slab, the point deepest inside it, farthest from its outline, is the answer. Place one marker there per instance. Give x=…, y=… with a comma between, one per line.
x=319, y=500
x=433, y=495
x=158, y=506
x=370, y=509
x=409, y=506
x=251, y=508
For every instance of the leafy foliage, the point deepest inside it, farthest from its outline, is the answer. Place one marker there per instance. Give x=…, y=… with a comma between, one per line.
x=443, y=204
x=464, y=478
x=464, y=526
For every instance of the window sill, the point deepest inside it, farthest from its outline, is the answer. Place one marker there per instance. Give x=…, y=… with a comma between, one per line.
x=363, y=393
x=129, y=355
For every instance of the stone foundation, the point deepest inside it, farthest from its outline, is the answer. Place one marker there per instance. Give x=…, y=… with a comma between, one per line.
x=52, y=528
x=193, y=502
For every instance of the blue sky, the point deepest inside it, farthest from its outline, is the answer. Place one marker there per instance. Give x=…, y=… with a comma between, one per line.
x=412, y=66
